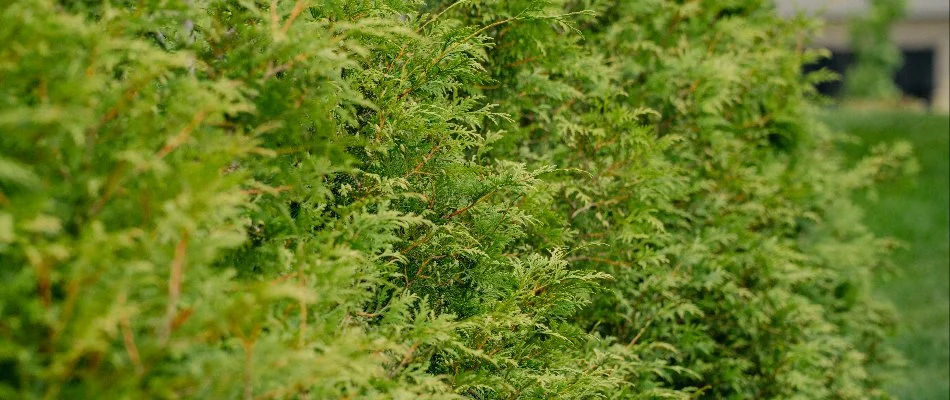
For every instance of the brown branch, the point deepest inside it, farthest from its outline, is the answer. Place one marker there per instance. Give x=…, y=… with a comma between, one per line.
x=248, y=345
x=270, y=190
x=282, y=278
x=117, y=108
x=174, y=285
x=599, y=259
x=582, y=209
x=693, y=86
x=181, y=317
x=44, y=282
x=405, y=360
x=368, y=315
x=522, y=61
x=129, y=341
x=565, y=105
x=758, y=122
x=642, y=330
x=712, y=45
x=416, y=243
x=272, y=71
x=112, y=183
x=398, y=56
x=425, y=159
x=298, y=8
x=183, y=134
x=673, y=24
x=427, y=261
x=379, y=127
x=598, y=204
x=405, y=92
x=466, y=208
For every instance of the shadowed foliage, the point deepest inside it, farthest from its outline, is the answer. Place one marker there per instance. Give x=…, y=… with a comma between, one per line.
x=404, y=199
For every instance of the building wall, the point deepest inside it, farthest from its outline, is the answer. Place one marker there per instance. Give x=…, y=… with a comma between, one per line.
x=842, y=9
x=926, y=26
x=911, y=34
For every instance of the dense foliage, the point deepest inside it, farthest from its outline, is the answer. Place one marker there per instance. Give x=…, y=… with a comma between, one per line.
x=405, y=199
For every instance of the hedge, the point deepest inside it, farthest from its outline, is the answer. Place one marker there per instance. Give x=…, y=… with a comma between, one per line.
x=404, y=199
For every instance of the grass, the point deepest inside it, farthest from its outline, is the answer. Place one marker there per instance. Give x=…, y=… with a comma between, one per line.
x=916, y=211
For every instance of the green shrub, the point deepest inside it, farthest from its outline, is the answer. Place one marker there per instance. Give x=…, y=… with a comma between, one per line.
x=877, y=57
x=521, y=199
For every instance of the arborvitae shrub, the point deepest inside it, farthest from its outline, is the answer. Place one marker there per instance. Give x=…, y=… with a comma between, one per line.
x=876, y=57
x=350, y=199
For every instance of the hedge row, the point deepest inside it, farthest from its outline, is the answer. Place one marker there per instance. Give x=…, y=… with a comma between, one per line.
x=425, y=199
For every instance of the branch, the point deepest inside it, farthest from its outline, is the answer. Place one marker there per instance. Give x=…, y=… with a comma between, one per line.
x=467, y=38
x=405, y=360
x=174, y=286
x=427, y=261
x=599, y=259
x=466, y=208
x=424, y=160
x=439, y=15
x=298, y=8
x=129, y=341
x=269, y=190
x=183, y=135
x=598, y=204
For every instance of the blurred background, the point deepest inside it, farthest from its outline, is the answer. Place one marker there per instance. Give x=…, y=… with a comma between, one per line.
x=894, y=60
x=920, y=30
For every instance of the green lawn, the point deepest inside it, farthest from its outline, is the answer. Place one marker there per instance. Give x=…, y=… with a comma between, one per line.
x=915, y=211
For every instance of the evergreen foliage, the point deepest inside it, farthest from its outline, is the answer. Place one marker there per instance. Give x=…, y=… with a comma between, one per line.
x=877, y=57
x=405, y=199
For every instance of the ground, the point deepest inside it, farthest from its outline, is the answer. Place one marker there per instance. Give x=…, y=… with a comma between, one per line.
x=915, y=210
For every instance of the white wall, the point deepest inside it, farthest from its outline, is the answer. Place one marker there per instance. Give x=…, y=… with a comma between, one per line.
x=841, y=9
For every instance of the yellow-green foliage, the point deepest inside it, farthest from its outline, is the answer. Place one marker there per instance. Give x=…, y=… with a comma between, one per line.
x=403, y=199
